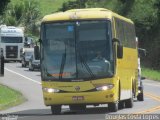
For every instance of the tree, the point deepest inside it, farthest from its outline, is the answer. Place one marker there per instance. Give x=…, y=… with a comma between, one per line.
x=3, y=4
x=73, y=5
x=31, y=16
x=25, y=13
x=125, y=6
x=14, y=14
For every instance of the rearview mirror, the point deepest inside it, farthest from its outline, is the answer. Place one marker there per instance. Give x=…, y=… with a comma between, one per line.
x=119, y=48
x=120, y=51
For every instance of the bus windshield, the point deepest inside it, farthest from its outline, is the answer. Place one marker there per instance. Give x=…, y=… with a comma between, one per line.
x=76, y=50
x=11, y=39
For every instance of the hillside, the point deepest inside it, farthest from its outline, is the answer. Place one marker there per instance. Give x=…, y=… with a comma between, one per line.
x=47, y=6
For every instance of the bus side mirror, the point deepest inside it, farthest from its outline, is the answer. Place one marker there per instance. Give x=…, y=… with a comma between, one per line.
x=141, y=52
x=120, y=51
x=36, y=52
x=119, y=48
x=1, y=66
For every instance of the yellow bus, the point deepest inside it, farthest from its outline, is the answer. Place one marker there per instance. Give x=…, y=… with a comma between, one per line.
x=88, y=57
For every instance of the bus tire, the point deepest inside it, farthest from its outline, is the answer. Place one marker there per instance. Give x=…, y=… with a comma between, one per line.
x=121, y=105
x=140, y=97
x=129, y=102
x=113, y=107
x=56, y=109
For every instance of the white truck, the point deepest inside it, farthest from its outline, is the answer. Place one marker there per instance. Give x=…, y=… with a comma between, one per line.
x=11, y=42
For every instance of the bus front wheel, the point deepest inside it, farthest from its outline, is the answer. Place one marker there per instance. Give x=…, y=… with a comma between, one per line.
x=113, y=107
x=129, y=102
x=56, y=109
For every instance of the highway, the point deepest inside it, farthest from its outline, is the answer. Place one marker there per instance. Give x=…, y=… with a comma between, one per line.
x=29, y=84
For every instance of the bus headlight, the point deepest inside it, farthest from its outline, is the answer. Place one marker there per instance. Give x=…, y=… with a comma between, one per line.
x=51, y=90
x=105, y=87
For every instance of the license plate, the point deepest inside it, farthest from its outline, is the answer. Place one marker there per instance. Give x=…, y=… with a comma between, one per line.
x=77, y=98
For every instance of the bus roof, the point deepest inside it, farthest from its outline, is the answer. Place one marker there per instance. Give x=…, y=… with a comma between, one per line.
x=80, y=14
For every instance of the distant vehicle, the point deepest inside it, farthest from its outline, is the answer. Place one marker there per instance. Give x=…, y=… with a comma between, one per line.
x=28, y=42
x=11, y=42
x=34, y=62
x=140, y=96
x=27, y=53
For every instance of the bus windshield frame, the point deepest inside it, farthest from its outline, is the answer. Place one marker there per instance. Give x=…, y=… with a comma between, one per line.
x=76, y=50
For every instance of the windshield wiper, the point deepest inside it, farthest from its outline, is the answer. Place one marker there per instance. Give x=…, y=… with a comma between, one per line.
x=62, y=64
x=86, y=66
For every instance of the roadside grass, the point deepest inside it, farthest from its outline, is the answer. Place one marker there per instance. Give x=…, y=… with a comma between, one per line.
x=151, y=74
x=9, y=97
x=47, y=6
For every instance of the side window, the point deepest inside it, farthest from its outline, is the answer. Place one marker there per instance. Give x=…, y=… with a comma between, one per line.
x=133, y=36
x=119, y=30
x=125, y=33
x=130, y=35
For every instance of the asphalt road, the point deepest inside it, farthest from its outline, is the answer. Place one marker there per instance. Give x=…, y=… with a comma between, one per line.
x=29, y=83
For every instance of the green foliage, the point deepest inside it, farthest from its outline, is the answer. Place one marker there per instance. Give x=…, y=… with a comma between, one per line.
x=46, y=6
x=73, y=4
x=25, y=13
x=31, y=16
x=13, y=14
x=3, y=4
x=125, y=6
x=151, y=73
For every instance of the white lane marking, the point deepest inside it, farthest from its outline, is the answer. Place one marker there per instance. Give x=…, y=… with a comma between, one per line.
x=23, y=76
x=150, y=84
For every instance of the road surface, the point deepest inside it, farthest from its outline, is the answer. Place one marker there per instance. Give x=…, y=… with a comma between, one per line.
x=29, y=83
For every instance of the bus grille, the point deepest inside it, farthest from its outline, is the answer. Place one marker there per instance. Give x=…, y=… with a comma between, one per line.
x=11, y=51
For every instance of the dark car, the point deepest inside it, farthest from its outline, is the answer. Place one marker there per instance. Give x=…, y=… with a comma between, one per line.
x=27, y=53
x=34, y=63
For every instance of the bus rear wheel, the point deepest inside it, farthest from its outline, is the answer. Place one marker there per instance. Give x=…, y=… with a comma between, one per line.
x=121, y=105
x=113, y=107
x=140, y=97
x=56, y=109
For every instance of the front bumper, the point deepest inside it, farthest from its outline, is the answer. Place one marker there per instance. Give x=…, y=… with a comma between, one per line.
x=88, y=98
x=36, y=65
